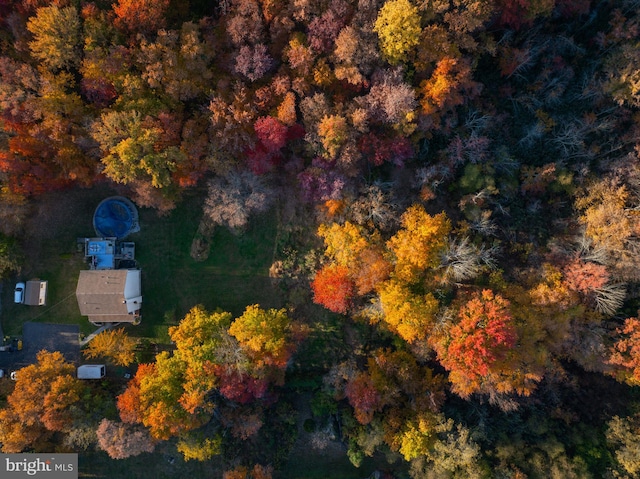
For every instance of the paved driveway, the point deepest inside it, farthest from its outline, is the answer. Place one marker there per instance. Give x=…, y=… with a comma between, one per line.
x=39, y=336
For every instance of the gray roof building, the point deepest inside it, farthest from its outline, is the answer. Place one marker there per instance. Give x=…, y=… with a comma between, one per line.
x=110, y=296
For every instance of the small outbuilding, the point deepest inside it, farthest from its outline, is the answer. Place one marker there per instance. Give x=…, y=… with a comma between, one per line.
x=110, y=296
x=35, y=293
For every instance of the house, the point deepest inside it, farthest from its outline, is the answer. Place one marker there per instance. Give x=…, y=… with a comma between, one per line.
x=110, y=296
x=35, y=293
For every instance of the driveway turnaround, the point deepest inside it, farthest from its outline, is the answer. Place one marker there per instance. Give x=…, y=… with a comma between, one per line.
x=39, y=336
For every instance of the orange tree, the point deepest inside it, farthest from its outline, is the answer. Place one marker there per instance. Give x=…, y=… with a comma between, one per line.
x=40, y=404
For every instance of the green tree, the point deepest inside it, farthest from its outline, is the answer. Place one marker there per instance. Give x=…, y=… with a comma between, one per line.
x=10, y=255
x=131, y=152
x=454, y=454
x=177, y=63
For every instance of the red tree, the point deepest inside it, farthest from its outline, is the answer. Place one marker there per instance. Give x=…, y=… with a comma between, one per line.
x=625, y=352
x=129, y=401
x=28, y=166
x=324, y=30
x=261, y=161
x=271, y=133
x=585, y=277
x=240, y=388
x=363, y=397
x=474, y=350
x=380, y=150
x=519, y=13
x=485, y=332
x=333, y=288
x=253, y=62
x=144, y=16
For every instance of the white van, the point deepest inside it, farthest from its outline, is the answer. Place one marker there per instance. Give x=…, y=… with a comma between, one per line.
x=91, y=371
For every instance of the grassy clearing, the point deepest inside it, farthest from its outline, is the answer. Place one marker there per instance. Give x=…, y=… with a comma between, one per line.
x=234, y=276
x=49, y=245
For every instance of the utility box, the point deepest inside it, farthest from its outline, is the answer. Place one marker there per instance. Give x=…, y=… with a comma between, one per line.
x=91, y=371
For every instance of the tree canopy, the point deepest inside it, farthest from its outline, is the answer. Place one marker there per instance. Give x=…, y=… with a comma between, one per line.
x=453, y=187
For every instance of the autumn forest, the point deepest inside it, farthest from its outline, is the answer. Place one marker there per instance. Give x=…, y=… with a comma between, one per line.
x=457, y=183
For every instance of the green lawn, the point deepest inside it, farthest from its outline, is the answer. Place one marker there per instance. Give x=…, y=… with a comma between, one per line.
x=49, y=244
x=234, y=276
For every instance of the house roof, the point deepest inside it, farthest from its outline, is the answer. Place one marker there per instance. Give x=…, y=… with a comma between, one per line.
x=113, y=295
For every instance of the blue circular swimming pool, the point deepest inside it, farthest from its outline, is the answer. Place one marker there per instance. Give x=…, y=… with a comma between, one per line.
x=115, y=217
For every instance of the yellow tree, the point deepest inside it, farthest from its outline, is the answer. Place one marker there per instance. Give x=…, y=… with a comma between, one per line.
x=417, y=436
x=169, y=396
x=343, y=243
x=398, y=29
x=607, y=220
x=333, y=132
x=418, y=244
x=612, y=225
x=132, y=149
x=56, y=37
x=446, y=88
x=114, y=344
x=408, y=314
x=197, y=447
x=623, y=434
x=199, y=339
x=153, y=398
x=265, y=335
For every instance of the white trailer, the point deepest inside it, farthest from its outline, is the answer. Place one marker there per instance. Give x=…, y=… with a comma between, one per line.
x=91, y=371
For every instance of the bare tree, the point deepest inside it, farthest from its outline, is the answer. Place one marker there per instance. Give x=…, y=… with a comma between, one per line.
x=462, y=260
x=610, y=297
x=374, y=207
x=232, y=199
x=121, y=440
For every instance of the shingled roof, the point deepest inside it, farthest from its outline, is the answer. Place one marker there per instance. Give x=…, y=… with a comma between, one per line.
x=113, y=295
